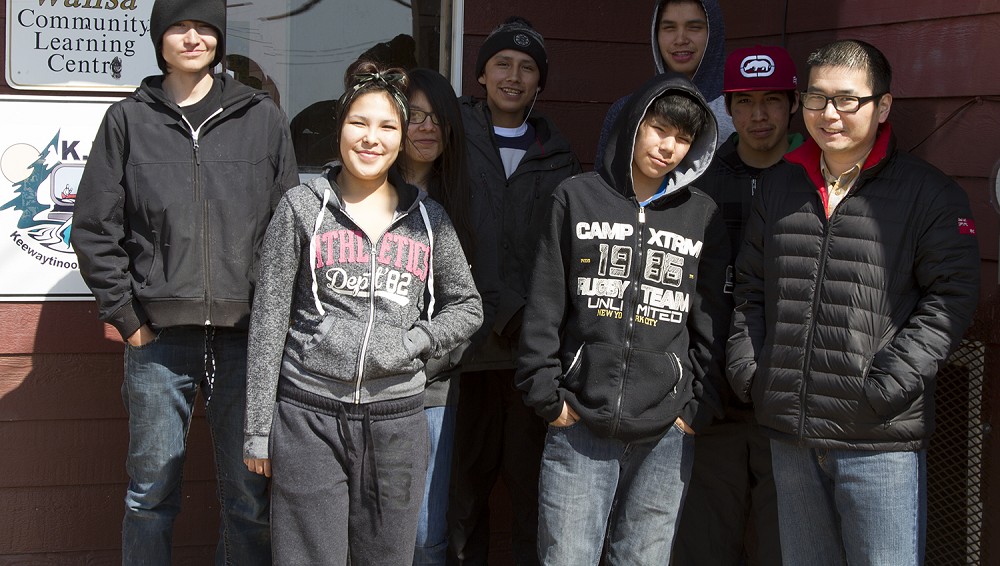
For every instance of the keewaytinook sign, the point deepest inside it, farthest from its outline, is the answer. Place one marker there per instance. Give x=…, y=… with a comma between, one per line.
x=99, y=45
x=43, y=148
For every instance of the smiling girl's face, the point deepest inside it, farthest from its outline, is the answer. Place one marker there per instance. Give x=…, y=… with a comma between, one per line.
x=370, y=137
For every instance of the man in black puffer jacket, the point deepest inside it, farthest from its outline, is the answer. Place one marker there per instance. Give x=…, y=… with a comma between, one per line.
x=859, y=276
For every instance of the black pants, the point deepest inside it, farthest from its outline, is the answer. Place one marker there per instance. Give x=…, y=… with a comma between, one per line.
x=346, y=477
x=730, y=515
x=496, y=434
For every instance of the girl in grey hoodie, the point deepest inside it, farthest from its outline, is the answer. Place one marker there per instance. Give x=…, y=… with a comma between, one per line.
x=362, y=280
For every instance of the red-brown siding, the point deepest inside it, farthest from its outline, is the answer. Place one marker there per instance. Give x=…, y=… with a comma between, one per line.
x=62, y=425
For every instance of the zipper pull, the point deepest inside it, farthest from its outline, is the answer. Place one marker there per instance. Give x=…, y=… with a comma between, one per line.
x=753, y=186
x=642, y=215
x=197, y=156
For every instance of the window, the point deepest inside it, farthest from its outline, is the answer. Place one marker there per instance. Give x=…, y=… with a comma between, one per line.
x=298, y=50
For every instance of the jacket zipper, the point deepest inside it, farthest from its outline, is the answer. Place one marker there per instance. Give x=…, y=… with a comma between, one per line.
x=366, y=339
x=820, y=275
x=630, y=329
x=576, y=360
x=195, y=133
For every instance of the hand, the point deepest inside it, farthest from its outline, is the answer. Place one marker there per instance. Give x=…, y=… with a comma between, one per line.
x=260, y=466
x=567, y=417
x=684, y=426
x=143, y=336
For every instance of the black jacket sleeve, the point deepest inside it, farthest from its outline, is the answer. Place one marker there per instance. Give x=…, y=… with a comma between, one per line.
x=100, y=227
x=946, y=268
x=708, y=326
x=748, y=327
x=539, y=367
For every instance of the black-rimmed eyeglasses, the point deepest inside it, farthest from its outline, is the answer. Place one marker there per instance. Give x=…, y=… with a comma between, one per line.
x=842, y=102
x=418, y=117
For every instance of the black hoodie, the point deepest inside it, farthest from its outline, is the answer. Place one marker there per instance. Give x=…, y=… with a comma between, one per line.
x=623, y=310
x=169, y=216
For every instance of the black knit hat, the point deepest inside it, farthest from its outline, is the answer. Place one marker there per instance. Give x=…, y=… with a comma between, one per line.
x=517, y=34
x=169, y=12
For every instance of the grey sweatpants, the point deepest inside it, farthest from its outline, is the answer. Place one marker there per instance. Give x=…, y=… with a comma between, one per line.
x=346, y=478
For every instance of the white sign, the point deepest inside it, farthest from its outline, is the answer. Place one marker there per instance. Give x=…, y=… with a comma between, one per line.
x=43, y=147
x=100, y=45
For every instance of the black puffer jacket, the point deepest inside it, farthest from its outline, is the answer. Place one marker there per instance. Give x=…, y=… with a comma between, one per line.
x=168, y=224
x=519, y=206
x=841, y=324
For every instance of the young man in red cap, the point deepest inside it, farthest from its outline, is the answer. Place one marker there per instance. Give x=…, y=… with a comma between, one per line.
x=178, y=190
x=730, y=512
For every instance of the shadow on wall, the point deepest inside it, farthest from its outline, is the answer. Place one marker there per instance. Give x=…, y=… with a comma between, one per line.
x=64, y=433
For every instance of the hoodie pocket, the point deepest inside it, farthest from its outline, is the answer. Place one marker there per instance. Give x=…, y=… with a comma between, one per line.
x=641, y=384
x=652, y=385
x=387, y=356
x=334, y=348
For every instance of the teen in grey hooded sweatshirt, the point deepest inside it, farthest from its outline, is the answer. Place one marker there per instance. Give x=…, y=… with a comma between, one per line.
x=351, y=301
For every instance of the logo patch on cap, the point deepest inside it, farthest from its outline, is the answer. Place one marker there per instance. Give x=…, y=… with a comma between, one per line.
x=757, y=66
x=522, y=40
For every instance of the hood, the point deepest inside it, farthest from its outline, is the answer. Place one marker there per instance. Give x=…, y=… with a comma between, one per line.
x=616, y=167
x=234, y=92
x=708, y=77
x=325, y=188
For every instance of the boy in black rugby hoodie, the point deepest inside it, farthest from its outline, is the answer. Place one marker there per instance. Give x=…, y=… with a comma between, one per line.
x=621, y=344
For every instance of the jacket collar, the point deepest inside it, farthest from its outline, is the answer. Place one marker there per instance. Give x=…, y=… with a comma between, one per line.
x=808, y=154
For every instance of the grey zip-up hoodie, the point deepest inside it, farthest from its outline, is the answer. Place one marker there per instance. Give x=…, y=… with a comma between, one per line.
x=346, y=318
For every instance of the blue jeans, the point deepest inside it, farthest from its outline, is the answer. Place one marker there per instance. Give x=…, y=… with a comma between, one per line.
x=592, y=486
x=432, y=530
x=161, y=381
x=854, y=507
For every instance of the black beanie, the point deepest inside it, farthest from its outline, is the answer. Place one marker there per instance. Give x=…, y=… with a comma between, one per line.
x=169, y=12
x=517, y=34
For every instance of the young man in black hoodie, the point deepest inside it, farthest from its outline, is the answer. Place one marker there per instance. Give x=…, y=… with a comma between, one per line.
x=623, y=333
x=178, y=190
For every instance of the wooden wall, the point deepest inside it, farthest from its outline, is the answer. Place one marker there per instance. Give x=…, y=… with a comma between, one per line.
x=62, y=425
x=63, y=438
x=946, y=106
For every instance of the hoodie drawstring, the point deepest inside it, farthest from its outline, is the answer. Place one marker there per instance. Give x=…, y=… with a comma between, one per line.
x=312, y=251
x=209, y=363
x=369, y=464
x=430, y=260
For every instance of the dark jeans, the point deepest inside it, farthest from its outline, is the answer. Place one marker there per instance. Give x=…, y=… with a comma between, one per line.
x=346, y=478
x=731, y=509
x=162, y=379
x=432, y=528
x=496, y=435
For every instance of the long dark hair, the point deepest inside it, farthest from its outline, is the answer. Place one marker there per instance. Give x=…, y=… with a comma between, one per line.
x=449, y=183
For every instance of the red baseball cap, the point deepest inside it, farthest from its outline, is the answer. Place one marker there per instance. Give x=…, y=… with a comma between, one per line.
x=761, y=67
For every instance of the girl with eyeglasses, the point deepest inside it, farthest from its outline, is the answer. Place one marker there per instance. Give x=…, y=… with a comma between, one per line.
x=435, y=161
x=362, y=280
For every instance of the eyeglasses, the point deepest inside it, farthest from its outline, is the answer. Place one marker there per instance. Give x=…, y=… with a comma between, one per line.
x=841, y=102
x=418, y=117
